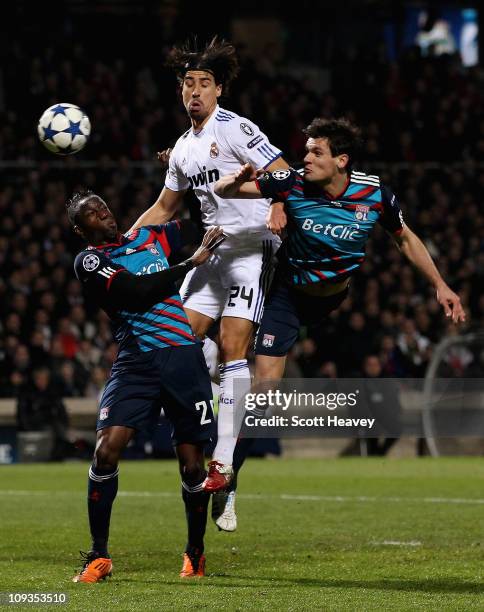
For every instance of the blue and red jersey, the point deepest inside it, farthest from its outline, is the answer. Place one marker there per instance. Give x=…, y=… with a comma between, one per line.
x=326, y=236
x=142, y=251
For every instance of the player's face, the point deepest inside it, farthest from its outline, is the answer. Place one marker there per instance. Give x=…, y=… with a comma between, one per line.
x=200, y=94
x=96, y=222
x=319, y=163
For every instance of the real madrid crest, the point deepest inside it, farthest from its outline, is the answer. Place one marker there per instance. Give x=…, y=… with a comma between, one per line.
x=214, y=150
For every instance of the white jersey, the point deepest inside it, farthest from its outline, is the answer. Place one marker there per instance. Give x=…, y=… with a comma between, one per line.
x=199, y=159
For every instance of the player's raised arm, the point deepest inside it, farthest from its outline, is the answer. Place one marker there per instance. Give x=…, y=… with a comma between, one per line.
x=416, y=252
x=162, y=211
x=171, y=196
x=240, y=184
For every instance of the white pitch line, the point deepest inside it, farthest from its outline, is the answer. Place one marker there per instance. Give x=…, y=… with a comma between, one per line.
x=397, y=543
x=283, y=496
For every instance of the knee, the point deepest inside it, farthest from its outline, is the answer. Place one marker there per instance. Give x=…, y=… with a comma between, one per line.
x=233, y=347
x=269, y=368
x=106, y=455
x=192, y=472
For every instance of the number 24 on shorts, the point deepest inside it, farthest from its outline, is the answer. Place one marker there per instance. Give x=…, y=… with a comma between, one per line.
x=237, y=291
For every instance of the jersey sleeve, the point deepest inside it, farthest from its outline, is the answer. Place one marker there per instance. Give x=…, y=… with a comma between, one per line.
x=248, y=143
x=391, y=218
x=278, y=185
x=175, y=179
x=96, y=273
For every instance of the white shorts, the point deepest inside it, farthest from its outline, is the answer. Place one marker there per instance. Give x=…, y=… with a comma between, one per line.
x=234, y=282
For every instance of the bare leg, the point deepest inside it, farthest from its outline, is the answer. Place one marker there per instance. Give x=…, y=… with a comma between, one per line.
x=199, y=322
x=269, y=368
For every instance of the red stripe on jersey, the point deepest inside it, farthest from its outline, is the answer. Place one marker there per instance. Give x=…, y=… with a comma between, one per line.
x=171, y=315
x=173, y=302
x=319, y=274
x=167, y=340
x=178, y=331
x=352, y=206
x=152, y=236
x=362, y=193
x=110, y=279
x=163, y=240
x=108, y=244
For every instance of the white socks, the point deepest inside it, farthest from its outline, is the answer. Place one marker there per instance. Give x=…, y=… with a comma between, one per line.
x=227, y=418
x=210, y=352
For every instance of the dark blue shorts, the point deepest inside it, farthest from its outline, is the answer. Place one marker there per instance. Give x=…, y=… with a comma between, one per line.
x=175, y=379
x=285, y=311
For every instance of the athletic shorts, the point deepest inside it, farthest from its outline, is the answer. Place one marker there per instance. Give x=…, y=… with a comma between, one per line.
x=175, y=379
x=285, y=311
x=234, y=282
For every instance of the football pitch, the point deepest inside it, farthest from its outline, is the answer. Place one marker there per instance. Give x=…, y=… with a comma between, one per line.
x=347, y=534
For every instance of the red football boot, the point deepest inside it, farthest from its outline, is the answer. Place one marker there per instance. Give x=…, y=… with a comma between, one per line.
x=219, y=477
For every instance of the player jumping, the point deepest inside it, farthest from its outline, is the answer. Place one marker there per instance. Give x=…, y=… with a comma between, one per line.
x=331, y=210
x=232, y=286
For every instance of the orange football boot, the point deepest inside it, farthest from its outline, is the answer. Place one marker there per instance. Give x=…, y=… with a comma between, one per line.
x=94, y=569
x=193, y=568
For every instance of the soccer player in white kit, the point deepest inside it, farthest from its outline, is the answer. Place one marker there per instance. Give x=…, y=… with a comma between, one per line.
x=232, y=287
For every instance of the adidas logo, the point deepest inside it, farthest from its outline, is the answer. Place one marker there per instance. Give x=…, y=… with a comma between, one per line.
x=129, y=251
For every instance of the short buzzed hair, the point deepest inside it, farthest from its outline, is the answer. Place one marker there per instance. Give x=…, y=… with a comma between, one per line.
x=219, y=57
x=342, y=135
x=74, y=205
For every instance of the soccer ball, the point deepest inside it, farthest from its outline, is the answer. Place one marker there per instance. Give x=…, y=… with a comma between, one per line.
x=64, y=129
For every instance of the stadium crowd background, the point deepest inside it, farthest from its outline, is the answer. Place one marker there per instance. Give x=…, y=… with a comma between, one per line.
x=423, y=123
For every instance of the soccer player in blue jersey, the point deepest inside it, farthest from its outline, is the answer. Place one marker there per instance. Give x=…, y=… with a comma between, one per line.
x=160, y=364
x=331, y=211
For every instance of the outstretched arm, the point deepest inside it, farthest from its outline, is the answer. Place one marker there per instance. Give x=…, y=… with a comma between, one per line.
x=138, y=293
x=240, y=184
x=416, y=252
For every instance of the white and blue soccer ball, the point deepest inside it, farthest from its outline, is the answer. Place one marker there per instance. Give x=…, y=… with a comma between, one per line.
x=64, y=129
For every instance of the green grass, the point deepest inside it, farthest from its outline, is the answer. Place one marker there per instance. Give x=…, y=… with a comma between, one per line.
x=289, y=553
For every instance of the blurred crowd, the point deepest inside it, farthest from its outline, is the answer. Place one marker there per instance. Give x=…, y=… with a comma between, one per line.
x=415, y=111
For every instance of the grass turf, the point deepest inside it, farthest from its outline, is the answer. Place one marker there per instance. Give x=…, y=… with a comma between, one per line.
x=313, y=534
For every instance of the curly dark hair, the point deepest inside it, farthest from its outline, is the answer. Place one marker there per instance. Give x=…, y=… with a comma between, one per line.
x=74, y=204
x=342, y=135
x=218, y=57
